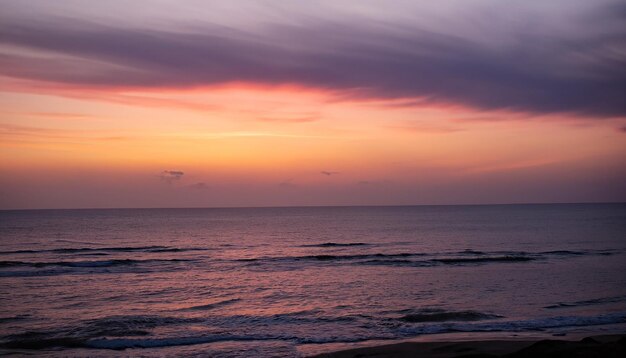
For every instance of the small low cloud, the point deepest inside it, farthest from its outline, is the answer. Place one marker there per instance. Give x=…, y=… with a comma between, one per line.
x=287, y=184
x=373, y=183
x=171, y=175
x=199, y=186
x=328, y=173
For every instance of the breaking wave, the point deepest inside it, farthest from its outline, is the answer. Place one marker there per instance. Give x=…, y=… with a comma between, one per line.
x=105, y=249
x=477, y=260
x=518, y=325
x=597, y=301
x=74, y=337
x=98, y=263
x=465, y=257
x=211, y=306
x=438, y=315
x=336, y=244
x=123, y=332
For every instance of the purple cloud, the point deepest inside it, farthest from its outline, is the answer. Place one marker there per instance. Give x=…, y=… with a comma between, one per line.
x=532, y=71
x=199, y=186
x=171, y=175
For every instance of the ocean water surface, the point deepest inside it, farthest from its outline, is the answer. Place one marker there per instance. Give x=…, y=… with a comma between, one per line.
x=297, y=281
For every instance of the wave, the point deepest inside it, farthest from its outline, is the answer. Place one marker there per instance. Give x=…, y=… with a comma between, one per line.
x=476, y=260
x=122, y=332
x=35, y=342
x=471, y=252
x=448, y=261
x=121, y=322
x=438, y=315
x=38, y=343
x=97, y=263
x=465, y=257
x=518, y=325
x=119, y=344
x=211, y=306
x=565, y=253
x=329, y=257
x=350, y=257
x=597, y=301
x=400, y=262
x=14, y=318
x=105, y=249
x=399, y=259
x=79, y=336
x=336, y=244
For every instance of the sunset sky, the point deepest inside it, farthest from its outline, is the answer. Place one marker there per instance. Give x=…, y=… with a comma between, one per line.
x=263, y=103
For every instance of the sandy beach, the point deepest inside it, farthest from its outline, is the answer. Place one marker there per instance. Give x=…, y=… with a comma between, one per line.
x=595, y=346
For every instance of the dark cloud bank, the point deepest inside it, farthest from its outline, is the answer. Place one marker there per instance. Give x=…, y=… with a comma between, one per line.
x=532, y=72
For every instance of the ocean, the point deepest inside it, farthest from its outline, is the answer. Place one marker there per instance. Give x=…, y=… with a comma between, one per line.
x=274, y=282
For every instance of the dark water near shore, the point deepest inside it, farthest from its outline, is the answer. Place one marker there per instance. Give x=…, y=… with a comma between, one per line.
x=291, y=281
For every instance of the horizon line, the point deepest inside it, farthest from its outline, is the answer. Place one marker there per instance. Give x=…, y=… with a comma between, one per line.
x=314, y=206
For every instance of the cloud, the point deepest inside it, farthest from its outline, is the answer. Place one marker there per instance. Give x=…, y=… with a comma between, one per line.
x=199, y=186
x=301, y=119
x=171, y=175
x=373, y=183
x=11, y=132
x=286, y=184
x=421, y=127
x=328, y=173
x=60, y=115
x=529, y=69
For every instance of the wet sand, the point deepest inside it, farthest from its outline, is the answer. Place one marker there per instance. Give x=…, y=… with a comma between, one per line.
x=596, y=346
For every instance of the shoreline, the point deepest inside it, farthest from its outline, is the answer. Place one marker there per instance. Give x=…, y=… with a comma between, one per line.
x=610, y=345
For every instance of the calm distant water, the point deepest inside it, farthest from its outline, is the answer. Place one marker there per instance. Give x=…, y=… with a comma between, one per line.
x=292, y=281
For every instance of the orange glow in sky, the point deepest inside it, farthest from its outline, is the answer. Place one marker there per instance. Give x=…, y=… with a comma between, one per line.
x=84, y=124
x=273, y=146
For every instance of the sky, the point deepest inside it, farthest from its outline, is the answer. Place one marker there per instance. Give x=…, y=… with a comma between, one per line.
x=164, y=103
